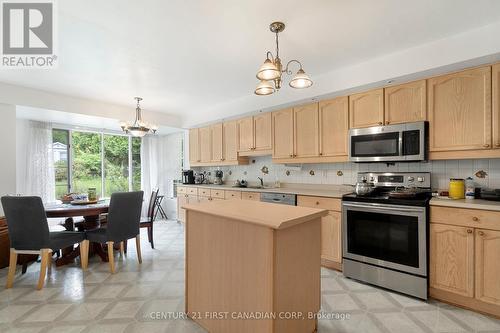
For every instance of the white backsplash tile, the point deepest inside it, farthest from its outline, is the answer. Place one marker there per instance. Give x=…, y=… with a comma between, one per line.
x=326, y=173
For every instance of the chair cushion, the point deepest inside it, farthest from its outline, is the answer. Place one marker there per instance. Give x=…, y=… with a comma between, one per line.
x=61, y=239
x=97, y=235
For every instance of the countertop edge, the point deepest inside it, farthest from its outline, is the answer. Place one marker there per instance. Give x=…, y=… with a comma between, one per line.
x=466, y=204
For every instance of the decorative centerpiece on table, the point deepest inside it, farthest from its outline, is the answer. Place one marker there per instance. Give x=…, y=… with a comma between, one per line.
x=81, y=198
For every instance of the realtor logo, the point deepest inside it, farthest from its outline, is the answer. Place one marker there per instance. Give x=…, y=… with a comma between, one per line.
x=28, y=34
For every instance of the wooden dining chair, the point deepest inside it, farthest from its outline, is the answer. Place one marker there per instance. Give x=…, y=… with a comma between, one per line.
x=29, y=234
x=124, y=216
x=147, y=222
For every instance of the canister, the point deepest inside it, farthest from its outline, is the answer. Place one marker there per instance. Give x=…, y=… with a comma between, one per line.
x=457, y=188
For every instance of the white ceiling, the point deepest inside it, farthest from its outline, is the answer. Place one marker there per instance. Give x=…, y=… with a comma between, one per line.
x=187, y=57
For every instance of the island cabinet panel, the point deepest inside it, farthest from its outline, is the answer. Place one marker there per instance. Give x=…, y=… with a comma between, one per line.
x=182, y=199
x=255, y=196
x=231, y=141
x=246, y=134
x=216, y=134
x=263, y=132
x=232, y=194
x=488, y=266
x=306, y=130
x=366, y=109
x=459, y=106
x=194, y=145
x=496, y=105
x=333, y=126
x=405, y=103
x=283, y=133
x=205, y=145
x=452, y=259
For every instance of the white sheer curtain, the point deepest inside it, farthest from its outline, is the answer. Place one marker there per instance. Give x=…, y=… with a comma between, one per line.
x=161, y=164
x=37, y=176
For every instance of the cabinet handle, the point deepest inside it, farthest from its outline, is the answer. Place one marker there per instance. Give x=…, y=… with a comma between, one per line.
x=380, y=123
x=222, y=159
x=475, y=219
x=320, y=154
x=317, y=202
x=486, y=145
x=387, y=122
x=497, y=144
x=481, y=233
x=291, y=155
x=469, y=231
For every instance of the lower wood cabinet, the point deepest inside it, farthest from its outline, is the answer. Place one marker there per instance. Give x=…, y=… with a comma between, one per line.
x=464, y=259
x=255, y=196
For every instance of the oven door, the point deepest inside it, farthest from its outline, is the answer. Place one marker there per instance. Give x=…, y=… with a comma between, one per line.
x=390, y=236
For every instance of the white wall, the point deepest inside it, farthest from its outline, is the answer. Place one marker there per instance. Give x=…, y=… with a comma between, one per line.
x=7, y=151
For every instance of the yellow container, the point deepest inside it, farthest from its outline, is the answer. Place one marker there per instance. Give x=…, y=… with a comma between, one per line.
x=457, y=188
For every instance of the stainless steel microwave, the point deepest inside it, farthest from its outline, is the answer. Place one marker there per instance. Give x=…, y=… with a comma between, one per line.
x=393, y=143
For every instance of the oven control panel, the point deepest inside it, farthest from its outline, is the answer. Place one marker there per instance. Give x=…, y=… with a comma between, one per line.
x=400, y=179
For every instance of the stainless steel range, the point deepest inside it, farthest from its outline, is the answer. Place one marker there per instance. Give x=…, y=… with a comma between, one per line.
x=386, y=232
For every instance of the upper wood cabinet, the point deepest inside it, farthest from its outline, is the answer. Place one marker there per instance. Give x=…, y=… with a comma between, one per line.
x=451, y=256
x=217, y=136
x=194, y=146
x=231, y=141
x=255, y=135
x=459, y=108
x=306, y=130
x=496, y=105
x=333, y=126
x=366, y=109
x=283, y=133
x=205, y=145
x=405, y=103
x=487, y=267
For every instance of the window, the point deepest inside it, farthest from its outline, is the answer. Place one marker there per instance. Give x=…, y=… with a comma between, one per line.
x=107, y=162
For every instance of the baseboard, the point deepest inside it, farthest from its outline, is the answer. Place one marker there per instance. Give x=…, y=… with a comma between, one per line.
x=465, y=302
x=331, y=264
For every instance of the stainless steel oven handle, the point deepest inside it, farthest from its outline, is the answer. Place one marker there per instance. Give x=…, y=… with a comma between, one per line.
x=383, y=207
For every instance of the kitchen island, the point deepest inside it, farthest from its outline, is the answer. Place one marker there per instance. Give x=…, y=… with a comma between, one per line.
x=253, y=266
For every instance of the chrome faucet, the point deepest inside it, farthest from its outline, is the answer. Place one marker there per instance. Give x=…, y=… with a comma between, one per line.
x=261, y=182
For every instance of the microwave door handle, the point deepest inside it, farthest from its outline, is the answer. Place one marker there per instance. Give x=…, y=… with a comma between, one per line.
x=400, y=144
x=382, y=208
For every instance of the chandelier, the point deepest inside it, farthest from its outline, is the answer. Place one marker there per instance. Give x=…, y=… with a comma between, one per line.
x=139, y=128
x=270, y=73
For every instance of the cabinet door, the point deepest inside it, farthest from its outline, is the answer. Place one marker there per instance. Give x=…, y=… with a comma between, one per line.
x=205, y=145
x=217, y=136
x=406, y=103
x=231, y=141
x=194, y=145
x=331, y=240
x=496, y=105
x=460, y=110
x=283, y=133
x=246, y=134
x=333, y=126
x=366, y=109
x=452, y=259
x=262, y=131
x=488, y=266
x=306, y=130
x=181, y=213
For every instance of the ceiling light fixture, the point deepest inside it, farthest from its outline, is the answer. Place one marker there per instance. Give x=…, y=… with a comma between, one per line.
x=139, y=128
x=272, y=69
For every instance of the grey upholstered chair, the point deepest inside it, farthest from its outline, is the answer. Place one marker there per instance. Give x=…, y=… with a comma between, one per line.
x=29, y=234
x=124, y=216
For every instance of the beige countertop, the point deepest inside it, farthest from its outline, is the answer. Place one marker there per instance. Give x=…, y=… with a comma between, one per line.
x=330, y=191
x=467, y=203
x=260, y=213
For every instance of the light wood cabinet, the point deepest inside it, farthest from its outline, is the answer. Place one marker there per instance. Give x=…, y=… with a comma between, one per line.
x=230, y=141
x=366, y=109
x=334, y=126
x=255, y=135
x=255, y=196
x=246, y=134
x=205, y=145
x=459, y=108
x=306, y=130
x=488, y=266
x=194, y=145
x=495, y=74
x=283, y=133
x=452, y=259
x=405, y=103
x=217, y=136
x=232, y=195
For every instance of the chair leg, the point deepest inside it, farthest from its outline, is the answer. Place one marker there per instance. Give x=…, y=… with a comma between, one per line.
x=111, y=257
x=138, y=247
x=12, y=268
x=45, y=254
x=84, y=254
x=122, y=249
x=150, y=234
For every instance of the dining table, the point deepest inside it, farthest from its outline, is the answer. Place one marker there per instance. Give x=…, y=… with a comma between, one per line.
x=91, y=220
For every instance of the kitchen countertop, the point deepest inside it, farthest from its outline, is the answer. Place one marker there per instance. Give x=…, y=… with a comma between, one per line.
x=330, y=191
x=467, y=203
x=260, y=213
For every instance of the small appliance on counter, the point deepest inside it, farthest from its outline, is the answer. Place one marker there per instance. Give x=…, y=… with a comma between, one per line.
x=188, y=177
x=218, y=177
x=199, y=178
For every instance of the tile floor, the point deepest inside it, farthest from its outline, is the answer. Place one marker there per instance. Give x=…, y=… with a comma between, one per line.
x=124, y=302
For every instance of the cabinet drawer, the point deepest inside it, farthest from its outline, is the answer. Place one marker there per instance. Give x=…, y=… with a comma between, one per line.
x=474, y=218
x=204, y=192
x=233, y=195
x=250, y=196
x=217, y=194
x=192, y=190
x=319, y=202
x=182, y=189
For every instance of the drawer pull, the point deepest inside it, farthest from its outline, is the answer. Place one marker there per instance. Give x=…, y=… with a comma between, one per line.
x=481, y=233
x=317, y=202
x=469, y=231
x=475, y=219
x=486, y=145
